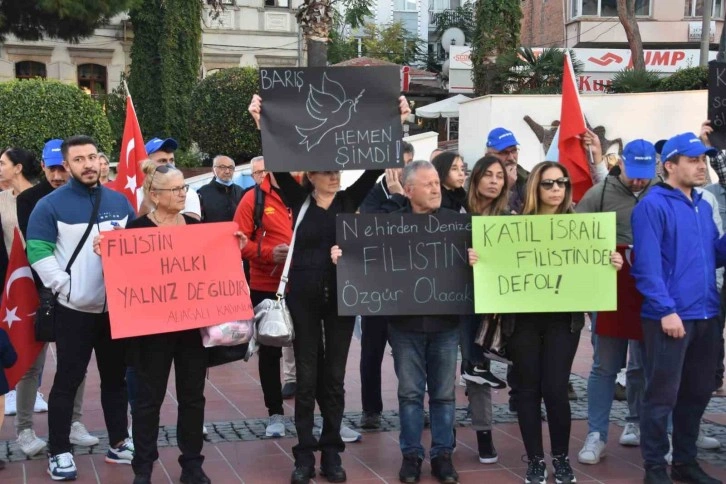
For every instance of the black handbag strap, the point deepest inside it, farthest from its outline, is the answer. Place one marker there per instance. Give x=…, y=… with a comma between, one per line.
x=89, y=227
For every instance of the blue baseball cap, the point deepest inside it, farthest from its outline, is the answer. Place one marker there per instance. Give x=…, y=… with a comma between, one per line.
x=686, y=144
x=639, y=159
x=156, y=144
x=501, y=138
x=52, y=155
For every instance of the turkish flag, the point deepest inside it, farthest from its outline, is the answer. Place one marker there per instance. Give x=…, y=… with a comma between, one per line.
x=129, y=177
x=19, y=304
x=625, y=323
x=572, y=127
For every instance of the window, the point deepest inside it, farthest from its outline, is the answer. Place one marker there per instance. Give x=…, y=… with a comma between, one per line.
x=277, y=3
x=92, y=79
x=694, y=8
x=29, y=70
x=608, y=8
x=405, y=6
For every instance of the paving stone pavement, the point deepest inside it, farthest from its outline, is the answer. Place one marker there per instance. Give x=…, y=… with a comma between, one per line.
x=253, y=429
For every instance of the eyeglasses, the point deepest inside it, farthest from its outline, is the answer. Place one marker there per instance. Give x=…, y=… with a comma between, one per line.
x=224, y=168
x=176, y=191
x=563, y=182
x=509, y=152
x=259, y=172
x=163, y=169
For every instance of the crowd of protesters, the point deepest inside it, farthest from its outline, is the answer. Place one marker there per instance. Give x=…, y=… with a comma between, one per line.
x=665, y=209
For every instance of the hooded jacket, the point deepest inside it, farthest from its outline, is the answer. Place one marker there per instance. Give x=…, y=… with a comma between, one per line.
x=677, y=250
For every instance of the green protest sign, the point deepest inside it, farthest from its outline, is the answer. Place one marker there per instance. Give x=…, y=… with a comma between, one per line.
x=544, y=263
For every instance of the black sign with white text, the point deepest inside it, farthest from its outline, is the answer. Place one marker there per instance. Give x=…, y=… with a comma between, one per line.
x=404, y=264
x=326, y=119
x=717, y=103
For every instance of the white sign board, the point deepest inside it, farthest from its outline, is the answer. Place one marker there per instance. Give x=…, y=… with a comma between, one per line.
x=695, y=28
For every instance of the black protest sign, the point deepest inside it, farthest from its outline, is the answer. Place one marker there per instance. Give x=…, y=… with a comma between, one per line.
x=717, y=103
x=336, y=118
x=404, y=264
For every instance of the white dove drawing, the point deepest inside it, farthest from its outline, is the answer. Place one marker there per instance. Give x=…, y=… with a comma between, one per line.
x=328, y=105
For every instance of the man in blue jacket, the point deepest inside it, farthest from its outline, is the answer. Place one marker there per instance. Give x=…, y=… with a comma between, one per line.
x=677, y=250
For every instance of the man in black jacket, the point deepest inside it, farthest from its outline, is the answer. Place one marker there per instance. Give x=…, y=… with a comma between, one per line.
x=425, y=350
x=220, y=196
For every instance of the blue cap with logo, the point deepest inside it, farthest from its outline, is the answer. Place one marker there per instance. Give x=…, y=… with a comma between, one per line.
x=52, y=155
x=639, y=159
x=501, y=138
x=156, y=144
x=685, y=144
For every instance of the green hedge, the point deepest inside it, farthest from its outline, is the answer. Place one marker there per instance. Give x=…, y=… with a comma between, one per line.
x=219, y=121
x=692, y=78
x=34, y=111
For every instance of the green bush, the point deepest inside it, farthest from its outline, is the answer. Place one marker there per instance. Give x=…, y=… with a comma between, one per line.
x=689, y=79
x=635, y=80
x=114, y=103
x=34, y=111
x=219, y=121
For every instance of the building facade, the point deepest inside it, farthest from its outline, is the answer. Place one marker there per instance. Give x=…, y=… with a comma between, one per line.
x=246, y=33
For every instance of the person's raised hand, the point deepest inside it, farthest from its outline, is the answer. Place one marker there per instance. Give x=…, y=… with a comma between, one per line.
x=242, y=239
x=706, y=130
x=616, y=259
x=404, y=108
x=255, y=109
x=335, y=253
x=97, y=244
x=473, y=257
x=393, y=181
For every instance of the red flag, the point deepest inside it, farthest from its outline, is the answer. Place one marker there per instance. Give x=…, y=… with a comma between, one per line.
x=129, y=176
x=572, y=127
x=19, y=303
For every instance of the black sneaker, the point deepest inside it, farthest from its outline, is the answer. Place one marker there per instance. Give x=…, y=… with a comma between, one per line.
x=487, y=452
x=288, y=390
x=571, y=394
x=536, y=471
x=443, y=469
x=499, y=356
x=656, y=475
x=194, y=475
x=563, y=471
x=370, y=420
x=410, y=469
x=302, y=474
x=482, y=376
x=691, y=473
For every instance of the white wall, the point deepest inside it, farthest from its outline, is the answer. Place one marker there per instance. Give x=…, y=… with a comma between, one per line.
x=652, y=116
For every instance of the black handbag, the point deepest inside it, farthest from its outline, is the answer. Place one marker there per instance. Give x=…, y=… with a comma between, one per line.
x=45, y=315
x=221, y=355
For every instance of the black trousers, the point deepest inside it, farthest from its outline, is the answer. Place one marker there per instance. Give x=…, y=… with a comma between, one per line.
x=268, y=361
x=542, y=351
x=152, y=357
x=78, y=334
x=372, y=348
x=322, y=341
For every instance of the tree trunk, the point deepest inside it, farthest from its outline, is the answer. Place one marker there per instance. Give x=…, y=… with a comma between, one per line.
x=626, y=14
x=317, y=53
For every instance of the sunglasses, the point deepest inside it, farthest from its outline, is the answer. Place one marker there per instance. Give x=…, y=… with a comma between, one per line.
x=163, y=169
x=563, y=182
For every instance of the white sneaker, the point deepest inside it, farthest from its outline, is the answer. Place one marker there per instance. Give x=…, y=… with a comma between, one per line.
x=204, y=431
x=61, y=467
x=10, y=403
x=669, y=455
x=123, y=454
x=275, y=426
x=462, y=381
x=349, y=435
x=40, y=405
x=630, y=435
x=80, y=436
x=622, y=378
x=707, y=443
x=29, y=443
x=593, y=450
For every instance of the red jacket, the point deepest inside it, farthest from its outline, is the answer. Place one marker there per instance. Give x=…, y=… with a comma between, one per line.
x=276, y=229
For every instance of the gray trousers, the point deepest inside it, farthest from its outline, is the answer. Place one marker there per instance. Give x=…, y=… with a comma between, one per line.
x=27, y=388
x=288, y=364
x=480, y=401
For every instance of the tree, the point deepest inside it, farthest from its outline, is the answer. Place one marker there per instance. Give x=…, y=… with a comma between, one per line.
x=391, y=42
x=523, y=72
x=460, y=17
x=496, y=32
x=165, y=65
x=69, y=20
x=34, y=111
x=316, y=19
x=626, y=14
x=219, y=121
x=341, y=47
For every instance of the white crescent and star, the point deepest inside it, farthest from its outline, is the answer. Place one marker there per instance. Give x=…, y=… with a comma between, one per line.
x=19, y=273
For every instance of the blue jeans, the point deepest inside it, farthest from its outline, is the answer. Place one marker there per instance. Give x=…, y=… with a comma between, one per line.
x=679, y=379
x=609, y=356
x=420, y=358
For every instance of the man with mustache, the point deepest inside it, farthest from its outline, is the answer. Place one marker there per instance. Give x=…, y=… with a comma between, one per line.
x=55, y=230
